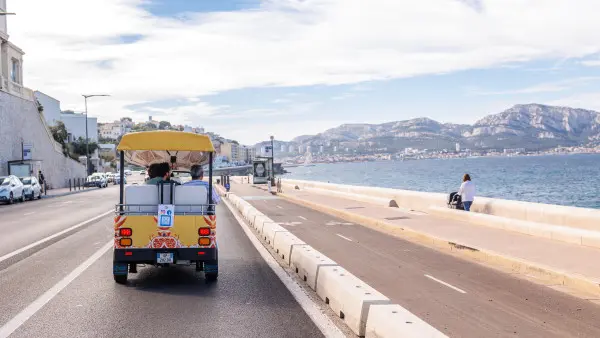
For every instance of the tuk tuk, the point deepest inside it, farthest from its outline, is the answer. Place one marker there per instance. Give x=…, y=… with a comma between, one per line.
x=166, y=223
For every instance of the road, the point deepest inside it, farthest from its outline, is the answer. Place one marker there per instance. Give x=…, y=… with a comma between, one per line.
x=458, y=297
x=64, y=288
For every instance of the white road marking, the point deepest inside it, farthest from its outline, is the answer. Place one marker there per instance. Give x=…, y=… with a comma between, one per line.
x=29, y=213
x=279, y=207
x=43, y=240
x=324, y=324
x=304, y=218
x=292, y=224
x=20, y=319
x=338, y=223
x=346, y=238
x=446, y=284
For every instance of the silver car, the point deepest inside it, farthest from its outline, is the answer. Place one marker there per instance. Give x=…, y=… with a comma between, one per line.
x=32, y=189
x=11, y=189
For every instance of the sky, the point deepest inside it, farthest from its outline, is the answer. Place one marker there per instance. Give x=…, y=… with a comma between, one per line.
x=248, y=69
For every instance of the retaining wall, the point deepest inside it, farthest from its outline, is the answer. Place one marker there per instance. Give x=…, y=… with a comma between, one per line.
x=20, y=122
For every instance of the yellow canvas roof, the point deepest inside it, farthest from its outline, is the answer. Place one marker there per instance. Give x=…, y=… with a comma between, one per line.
x=148, y=147
x=165, y=140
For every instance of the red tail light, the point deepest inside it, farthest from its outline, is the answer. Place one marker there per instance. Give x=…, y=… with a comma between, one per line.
x=125, y=232
x=204, y=231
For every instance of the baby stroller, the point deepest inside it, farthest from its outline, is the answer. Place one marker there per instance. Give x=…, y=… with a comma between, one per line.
x=454, y=201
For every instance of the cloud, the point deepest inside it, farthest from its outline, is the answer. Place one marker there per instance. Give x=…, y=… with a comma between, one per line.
x=557, y=86
x=283, y=43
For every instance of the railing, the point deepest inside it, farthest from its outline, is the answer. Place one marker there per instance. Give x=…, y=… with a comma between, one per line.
x=136, y=209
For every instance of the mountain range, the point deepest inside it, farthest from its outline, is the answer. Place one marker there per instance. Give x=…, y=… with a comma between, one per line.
x=529, y=126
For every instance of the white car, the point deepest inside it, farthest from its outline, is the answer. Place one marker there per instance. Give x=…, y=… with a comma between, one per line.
x=11, y=189
x=96, y=180
x=32, y=189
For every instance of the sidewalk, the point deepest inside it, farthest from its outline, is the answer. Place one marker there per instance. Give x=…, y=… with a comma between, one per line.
x=551, y=261
x=65, y=191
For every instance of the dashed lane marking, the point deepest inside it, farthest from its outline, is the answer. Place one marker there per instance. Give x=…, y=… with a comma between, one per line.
x=446, y=284
x=20, y=319
x=344, y=237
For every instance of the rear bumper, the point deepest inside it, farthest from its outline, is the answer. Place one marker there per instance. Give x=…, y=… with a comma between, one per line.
x=148, y=256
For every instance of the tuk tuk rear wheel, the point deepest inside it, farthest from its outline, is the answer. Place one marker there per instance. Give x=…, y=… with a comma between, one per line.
x=211, y=276
x=120, y=279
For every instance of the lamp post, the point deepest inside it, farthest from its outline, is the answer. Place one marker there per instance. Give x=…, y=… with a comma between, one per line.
x=272, y=161
x=87, y=147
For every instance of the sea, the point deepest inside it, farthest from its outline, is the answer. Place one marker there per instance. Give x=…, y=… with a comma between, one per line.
x=572, y=180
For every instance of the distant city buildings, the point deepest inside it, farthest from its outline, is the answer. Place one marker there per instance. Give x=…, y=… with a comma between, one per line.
x=457, y=147
x=291, y=149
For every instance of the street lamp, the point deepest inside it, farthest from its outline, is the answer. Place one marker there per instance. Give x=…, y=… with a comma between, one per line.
x=87, y=148
x=272, y=161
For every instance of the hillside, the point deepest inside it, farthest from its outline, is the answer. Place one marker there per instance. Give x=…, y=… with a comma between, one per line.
x=530, y=126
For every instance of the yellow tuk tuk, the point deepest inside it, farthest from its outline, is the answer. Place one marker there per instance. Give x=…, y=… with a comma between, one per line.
x=165, y=223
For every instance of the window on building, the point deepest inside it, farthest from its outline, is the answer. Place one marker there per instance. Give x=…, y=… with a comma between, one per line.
x=15, y=71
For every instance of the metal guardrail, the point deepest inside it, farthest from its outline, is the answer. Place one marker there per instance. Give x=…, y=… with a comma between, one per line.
x=136, y=209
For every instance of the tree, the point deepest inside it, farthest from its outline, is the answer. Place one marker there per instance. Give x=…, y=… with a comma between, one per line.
x=60, y=135
x=162, y=125
x=78, y=147
x=123, y=119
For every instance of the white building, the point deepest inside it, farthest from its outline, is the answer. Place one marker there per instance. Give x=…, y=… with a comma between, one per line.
x=51, y=107
x=11, y=63
x=321, y=149
x=75, y=124
x=113, y=130
x=457, y=147
x=283, y=148
x=291, y=148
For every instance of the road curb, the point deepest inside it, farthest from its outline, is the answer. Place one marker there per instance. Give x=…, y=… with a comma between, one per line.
x=69, y=193
x=544, y=273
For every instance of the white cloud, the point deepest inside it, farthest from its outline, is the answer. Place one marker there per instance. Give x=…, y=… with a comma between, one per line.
x=282, y=43
x=557, y=86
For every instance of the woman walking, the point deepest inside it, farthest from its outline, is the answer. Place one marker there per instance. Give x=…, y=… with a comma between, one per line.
x=467, y=192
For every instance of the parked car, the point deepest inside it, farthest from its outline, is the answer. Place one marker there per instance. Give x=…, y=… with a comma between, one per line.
x=96, y=180
x=11, y=189
x=110, y=177
x=118, y=179
x=32, y=189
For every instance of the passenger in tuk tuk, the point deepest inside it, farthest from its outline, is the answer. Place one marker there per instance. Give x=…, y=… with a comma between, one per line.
x=158, y=172
x=197, y=179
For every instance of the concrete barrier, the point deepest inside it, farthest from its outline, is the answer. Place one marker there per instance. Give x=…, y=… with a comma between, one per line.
x=259, y=221
x=270, y=230
x=394, y=321
x=285, y=243
x=306, y=262
x=348, y=296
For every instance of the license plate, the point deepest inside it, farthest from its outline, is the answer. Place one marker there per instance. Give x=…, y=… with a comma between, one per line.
x=164, y=257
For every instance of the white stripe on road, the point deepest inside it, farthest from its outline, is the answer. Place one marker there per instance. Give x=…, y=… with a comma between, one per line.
x=44, y=240
x=29, y=213
x=346, y=238
x=20, y=319
x=279, y=207
x=446, y=284
x=327, y=327
x=304, y=218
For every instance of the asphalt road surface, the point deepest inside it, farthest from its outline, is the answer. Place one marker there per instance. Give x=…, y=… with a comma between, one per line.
x=65, y=288
x=458, y=297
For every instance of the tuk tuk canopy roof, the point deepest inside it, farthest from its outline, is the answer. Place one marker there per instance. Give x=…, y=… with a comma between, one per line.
x=165, y=140
x=180, y=149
